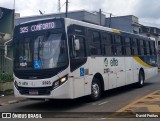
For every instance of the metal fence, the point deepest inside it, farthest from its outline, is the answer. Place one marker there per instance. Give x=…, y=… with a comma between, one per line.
x=5, y=64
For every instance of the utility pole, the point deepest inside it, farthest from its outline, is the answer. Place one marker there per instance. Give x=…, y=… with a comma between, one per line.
x=110, y=20
x=14, y=4
x=100, y=17
x=59, y=6
x=66, y=8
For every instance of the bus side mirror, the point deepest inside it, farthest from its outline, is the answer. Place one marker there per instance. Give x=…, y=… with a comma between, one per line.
x=76, y=44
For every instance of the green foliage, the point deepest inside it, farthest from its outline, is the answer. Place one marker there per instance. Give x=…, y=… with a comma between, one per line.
x=6, y=77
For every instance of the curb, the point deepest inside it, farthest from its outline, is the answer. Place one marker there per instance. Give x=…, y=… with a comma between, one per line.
x=13, y=102
x=7, y=92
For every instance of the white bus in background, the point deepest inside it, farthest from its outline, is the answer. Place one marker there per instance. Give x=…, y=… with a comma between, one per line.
x=157, y=46
x=66, y=59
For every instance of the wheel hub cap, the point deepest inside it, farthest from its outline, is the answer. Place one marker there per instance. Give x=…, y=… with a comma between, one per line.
x=95, y=90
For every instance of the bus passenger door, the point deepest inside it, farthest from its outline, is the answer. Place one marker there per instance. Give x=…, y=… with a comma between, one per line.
x=78, y=65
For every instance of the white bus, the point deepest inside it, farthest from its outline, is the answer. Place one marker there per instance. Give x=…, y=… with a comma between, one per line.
x=62, y=58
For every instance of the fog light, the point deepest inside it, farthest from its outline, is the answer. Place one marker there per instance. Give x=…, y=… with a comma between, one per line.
x=16, y=84
x=56, y=84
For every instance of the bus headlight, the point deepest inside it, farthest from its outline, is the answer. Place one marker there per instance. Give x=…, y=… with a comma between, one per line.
x=60, y=81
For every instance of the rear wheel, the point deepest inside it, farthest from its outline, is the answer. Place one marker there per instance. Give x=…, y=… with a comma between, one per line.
x=95, y=90
x=140, y=83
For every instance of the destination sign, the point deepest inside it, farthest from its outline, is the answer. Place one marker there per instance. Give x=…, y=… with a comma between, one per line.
x=40, y=26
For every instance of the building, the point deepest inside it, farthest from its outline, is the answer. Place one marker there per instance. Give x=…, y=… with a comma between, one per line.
x=17, y=15
x=151, y=32
x=90, y=17
x=128, y=23
x=6, y=64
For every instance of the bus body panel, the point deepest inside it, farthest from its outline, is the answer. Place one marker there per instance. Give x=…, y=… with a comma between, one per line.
x=115, y=70
x=78, y=78
x=129, y=70
x=112, y=78
x=120, y=72
x=63, y=92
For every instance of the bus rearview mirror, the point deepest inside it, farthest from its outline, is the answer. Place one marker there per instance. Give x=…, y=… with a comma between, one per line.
x=76, y=44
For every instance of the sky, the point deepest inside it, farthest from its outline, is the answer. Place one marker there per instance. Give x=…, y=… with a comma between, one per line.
x=146, y=10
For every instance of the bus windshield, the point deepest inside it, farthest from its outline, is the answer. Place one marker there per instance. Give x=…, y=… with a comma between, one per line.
x=41, y=52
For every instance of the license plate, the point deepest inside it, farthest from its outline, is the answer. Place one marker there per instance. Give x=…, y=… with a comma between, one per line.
x=33, y=92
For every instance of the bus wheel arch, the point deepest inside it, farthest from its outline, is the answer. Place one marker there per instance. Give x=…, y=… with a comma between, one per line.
x=141, y=78
x=97, y=86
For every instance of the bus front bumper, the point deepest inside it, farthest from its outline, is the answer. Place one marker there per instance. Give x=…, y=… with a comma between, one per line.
x=61, y=92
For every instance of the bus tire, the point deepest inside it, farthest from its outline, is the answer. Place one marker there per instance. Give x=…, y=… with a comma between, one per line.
x=140, y=82
x=95, y=90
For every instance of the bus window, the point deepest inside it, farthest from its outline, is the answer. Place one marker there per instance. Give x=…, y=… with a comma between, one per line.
x=152, y=48
x=127, y=41
x=82, y=51
x=146, y=47
x=134, y=51
x=118, y=48
x=134, y=42
x=25, y=55
x=142, y=51
x=94, y=43
x=118, y=40
x=128, y=50
x=127, y=45
x=106, y=38
x=77, y=57
x=147, y=51
x=107, y=47
x=141, y=43
x=134, y=46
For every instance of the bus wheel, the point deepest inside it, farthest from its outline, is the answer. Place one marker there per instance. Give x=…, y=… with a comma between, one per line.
x=95, y=90
x=140, y=83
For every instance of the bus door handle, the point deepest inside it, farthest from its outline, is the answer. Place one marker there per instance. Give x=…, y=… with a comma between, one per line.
x=121, y=70
x=130, y=69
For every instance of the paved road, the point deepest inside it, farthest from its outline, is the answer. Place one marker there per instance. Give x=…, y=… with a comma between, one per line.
x=112, y=101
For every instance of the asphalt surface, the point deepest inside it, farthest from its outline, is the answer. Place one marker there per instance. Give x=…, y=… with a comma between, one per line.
x=112, y=101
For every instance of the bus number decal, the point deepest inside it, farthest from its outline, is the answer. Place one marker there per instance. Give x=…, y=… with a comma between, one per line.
x=24, y=29
x=46, y=83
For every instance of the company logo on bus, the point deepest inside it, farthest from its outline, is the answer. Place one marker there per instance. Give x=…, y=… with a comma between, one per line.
x=114, y=62
x=106, y=62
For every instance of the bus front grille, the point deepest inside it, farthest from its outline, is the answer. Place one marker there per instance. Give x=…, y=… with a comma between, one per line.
x=35, y=91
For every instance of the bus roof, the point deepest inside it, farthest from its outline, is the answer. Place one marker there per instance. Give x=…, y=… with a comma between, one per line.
x=70, y=21
x=38, y=20
x=90, y=25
